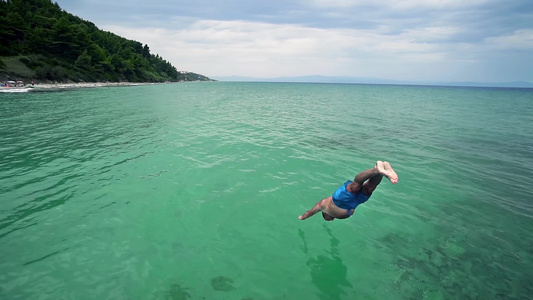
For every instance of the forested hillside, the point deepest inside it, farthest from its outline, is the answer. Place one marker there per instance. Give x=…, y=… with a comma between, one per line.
x=39, y=40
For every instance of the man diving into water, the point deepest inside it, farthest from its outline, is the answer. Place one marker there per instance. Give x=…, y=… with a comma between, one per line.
x=343, y=202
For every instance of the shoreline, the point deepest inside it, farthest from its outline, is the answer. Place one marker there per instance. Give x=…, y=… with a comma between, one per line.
x=68, y=86
x=85, y=85
x=41, y=87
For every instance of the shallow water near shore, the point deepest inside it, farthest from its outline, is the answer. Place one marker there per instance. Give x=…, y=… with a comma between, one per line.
x=193, y=191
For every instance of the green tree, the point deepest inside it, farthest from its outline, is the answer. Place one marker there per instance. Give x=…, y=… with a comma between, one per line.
x=84, y=61
x=59, y=45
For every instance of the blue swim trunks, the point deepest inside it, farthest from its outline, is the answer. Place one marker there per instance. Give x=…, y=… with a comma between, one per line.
x=346, y=200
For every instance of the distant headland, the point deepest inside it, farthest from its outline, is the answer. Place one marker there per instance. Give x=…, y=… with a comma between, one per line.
x=41, y=42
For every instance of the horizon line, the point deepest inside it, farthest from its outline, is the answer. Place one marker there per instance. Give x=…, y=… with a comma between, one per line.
x=376, y=81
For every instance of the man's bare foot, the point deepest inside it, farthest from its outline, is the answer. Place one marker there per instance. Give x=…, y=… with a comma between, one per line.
x=393, y=177
x=380, y=167
x=386, y=170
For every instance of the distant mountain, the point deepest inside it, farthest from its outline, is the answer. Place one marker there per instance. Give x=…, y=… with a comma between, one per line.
x=359, y=80
x=39, y=40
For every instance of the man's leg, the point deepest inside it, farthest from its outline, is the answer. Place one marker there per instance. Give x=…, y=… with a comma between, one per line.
x=384, y=169
x=369, y=179
x=360, y=178
x=371, y=184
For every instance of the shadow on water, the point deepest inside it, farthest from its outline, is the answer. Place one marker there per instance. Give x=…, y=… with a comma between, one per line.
x=457, y=267
x=177, y=292
x=222, y=283
x=328, y=272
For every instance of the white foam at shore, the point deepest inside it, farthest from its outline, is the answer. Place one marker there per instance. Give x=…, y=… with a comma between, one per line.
x=14, y=90
x=53, y=86
x=85, y=85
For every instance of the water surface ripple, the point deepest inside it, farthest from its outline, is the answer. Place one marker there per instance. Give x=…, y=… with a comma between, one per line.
x=192, y=191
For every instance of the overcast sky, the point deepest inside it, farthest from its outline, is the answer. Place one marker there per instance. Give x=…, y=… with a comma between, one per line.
x=414, y=40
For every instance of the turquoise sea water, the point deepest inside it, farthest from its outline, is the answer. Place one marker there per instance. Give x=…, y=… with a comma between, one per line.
x=193, y=191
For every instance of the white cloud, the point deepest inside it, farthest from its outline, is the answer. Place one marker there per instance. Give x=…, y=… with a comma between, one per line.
x=392, y=39
x=395, y=4
x=520, y=39
x=428, y=34
x=333, y=3
x=225, y=48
